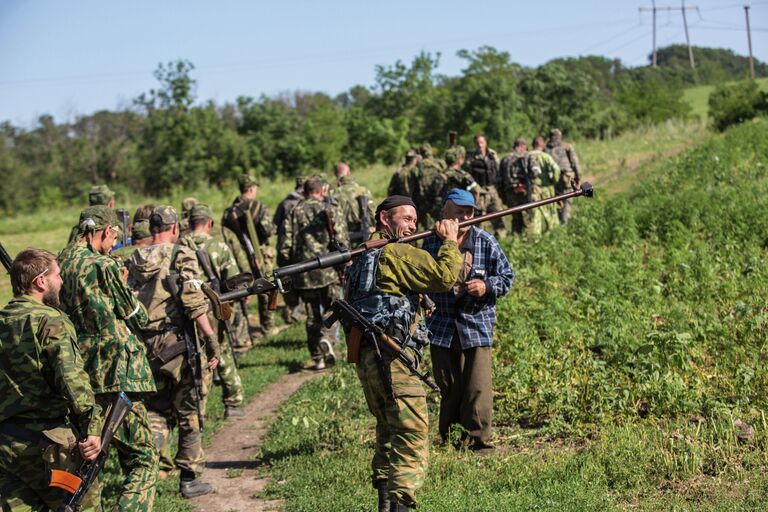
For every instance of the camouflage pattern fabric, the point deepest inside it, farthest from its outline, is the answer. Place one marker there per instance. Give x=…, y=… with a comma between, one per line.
x=517, y=169
x=550, y=176
x=37, y=394
x=224, y=267
x=399, y=184
x=565, y=157
x=282, y=211
x=137, y=456
x=174, y=405
x=402, y=425
x=105, y=312
x=484, y=168
x=426, y=183
x=317, y=302
x=307, y=236
x=345, y=195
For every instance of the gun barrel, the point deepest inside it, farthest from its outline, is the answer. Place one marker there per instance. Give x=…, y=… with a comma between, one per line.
x=5, y=259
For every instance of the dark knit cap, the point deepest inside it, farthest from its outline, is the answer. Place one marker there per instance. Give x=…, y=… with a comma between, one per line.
x=394, y=202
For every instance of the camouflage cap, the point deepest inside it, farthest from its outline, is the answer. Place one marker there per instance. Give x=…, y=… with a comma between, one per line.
x=411, y=154
x=425, y=150
x=186, y=206
x=246, y=181
x=163, y=215
x=454, y=154
x=202, y=211
x=100, y=194
x=141, y=230
x=95, y=218
x=554, y=133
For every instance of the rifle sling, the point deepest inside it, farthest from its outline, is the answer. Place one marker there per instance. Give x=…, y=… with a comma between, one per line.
x=172, y=351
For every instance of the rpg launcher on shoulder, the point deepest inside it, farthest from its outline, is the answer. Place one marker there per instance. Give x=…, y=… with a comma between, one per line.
x=262, y=285
x=79, y=482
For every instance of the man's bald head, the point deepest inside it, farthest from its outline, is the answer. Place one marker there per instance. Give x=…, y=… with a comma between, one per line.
x=342, y=169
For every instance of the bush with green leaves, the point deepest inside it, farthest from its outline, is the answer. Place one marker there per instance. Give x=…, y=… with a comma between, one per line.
x=730, y=104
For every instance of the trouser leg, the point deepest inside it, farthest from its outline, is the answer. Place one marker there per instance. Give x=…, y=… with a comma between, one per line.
x=446, y=366
x=477, y=397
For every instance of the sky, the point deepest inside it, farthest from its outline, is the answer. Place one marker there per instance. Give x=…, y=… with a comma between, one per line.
x=74, y=57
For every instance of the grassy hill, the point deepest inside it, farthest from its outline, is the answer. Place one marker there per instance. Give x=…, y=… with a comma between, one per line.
x=629, y=367
x=698, y=97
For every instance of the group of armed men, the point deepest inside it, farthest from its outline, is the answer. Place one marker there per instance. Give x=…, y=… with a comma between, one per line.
x=92, y=321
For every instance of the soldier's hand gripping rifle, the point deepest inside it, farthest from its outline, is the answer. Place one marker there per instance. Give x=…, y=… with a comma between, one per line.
x=360, y=328
x=80, y=482
x=341, y=257
x=194, y=359
x=205, y=261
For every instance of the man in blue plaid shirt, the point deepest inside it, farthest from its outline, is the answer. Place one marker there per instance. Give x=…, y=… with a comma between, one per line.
x=462, y=326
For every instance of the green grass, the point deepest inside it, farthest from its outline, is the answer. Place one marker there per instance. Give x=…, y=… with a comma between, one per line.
x=259, y=367
x=698, y=97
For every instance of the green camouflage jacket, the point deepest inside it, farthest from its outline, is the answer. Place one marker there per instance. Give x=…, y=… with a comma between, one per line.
x=106, y=315
x=345, y=195
x=550, y=171
x=516, y=168
x=306, y=236
x=41, y=370
x=483, y=168
x=565, y=157
x=148, y=268
x=223, y=261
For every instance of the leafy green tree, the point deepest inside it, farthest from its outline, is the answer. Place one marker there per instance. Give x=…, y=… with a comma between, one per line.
x=734, y=103
x=650, y=99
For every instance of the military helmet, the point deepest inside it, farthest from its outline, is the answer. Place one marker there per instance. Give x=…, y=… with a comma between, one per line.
x=100, y=194
x=454, y=154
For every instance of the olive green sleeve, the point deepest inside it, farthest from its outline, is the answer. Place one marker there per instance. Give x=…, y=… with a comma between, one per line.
x=404, y=267
x=192, y=296
x=58, y=340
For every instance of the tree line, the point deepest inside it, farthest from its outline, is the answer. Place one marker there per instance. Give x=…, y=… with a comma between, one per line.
x=168, y=140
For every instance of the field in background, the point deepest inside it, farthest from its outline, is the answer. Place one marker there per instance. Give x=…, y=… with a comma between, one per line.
x=698, y=97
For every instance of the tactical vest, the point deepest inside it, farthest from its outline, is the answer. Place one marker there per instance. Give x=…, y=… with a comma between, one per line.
x=397, y=315
x=560, y=155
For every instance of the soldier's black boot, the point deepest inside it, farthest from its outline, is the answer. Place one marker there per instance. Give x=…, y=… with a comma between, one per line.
x=381, y=488
x=399, y=507
x=191, y=487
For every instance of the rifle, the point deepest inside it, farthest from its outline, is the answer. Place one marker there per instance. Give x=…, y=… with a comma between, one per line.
x=80, y=482
x=333, y=243
x=356, y=238
x=342, y=256
x=527, y=177
x=205, y=262
x=452, y=136
x=5, y=258
x=194, y=358
x=124, y=218
x=353, y=320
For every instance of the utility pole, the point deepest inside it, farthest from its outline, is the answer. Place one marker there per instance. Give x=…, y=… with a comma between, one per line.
x=687, y=39
x=654, y=9
x=749, y=40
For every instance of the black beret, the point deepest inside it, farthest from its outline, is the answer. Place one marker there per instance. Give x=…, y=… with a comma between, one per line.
x=394, y=202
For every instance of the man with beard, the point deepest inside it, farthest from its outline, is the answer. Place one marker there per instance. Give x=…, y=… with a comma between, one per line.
x=42, y=382
x=384, y=286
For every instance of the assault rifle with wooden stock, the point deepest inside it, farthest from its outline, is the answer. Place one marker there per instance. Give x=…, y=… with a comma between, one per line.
x=332, y=259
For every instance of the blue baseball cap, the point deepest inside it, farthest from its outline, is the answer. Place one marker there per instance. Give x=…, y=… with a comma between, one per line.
x=460, y=197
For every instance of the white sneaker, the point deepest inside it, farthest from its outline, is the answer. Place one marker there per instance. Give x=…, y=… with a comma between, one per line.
x=327, y=349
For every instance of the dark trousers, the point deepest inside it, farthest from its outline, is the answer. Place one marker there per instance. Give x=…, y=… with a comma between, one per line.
x=464, y=378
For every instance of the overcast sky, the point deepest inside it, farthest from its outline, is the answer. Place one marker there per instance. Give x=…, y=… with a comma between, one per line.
x=78, y=56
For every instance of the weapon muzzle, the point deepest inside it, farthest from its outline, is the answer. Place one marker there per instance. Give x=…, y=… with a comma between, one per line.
x=587, y=190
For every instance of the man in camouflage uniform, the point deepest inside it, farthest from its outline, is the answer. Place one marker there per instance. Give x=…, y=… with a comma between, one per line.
x=186, y=207
x=483, y=164
x=259, y=229
x=42, y=382
x=546, y=216
x=106, y=315
x=399, y=184
x=519, y=173
x=383, y=285
x=292, y=312
x=309, y=231
x=224, y=267
x=354, y=201
x=570, y=171
x=425, y=182
x=99, y=195
x=140, y=235
x=176, y=400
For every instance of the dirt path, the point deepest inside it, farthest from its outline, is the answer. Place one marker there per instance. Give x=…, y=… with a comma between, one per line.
x=231, y=463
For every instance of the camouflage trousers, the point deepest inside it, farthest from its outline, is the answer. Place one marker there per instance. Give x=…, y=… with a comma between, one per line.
x=317, y=302
x=547, y=216
x=402, y=426
x=24, y=467
x=489, y=201
x=240, y=327
x=522, y=222
x=564, y=185
x=137, y=456
x=231, y=385
x=173, y=405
